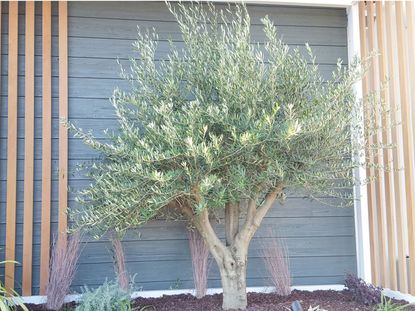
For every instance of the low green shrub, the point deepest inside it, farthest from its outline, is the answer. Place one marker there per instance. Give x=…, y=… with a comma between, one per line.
x=387, y=305
x=107, y=297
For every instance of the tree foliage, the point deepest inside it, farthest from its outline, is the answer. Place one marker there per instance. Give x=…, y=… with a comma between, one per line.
x=220, y=120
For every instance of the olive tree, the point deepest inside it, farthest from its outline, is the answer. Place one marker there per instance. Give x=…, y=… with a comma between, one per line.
x=222, y=124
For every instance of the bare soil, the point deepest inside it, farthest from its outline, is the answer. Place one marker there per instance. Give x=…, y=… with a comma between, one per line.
x=328, y=300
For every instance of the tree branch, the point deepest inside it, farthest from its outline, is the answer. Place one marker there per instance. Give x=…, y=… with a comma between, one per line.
x=250, y=214
x=216, y=246
x=232, y=211
x=265, y=206
x=255, y=215
x=183, y=207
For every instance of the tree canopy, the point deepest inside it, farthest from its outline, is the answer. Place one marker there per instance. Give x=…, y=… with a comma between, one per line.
x=221, y=120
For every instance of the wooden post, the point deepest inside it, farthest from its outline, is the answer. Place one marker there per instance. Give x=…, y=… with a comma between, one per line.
x=11, y=144
x=29, y=148
x=390, y=255
x=396, y=138
x=407, y=142
x=46, y=144
x=378, y=159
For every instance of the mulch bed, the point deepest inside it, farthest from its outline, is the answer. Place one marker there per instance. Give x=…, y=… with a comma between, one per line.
x=328, y=300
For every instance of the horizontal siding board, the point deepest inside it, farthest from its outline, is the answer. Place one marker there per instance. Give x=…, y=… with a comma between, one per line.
x=172, y=250
x=104, y=68
x=156, y=11
x=38, y=24
x=127, y=29
x=78, y=149
x=107, y=48
x=99, y=48
x=293, y=208
x=181, y=270
x=288, y=227
x=83, y=67
x=84, y=88
x=282, y=15
x=117, y=29
x=38, y=10
x=95, y=124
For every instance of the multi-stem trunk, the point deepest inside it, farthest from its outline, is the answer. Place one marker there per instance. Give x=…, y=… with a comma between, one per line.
x=231, y=257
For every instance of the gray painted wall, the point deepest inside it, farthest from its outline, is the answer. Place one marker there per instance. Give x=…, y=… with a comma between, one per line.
x=320, y=239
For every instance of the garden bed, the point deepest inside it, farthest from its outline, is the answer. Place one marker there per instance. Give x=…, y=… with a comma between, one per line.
x=326, y=299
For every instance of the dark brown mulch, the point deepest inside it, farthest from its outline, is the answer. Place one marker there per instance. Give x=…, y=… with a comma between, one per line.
x=328, y=300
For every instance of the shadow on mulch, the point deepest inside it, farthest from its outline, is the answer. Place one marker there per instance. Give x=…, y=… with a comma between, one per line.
x=328, y=300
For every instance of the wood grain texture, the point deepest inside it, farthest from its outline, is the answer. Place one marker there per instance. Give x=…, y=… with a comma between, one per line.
x=410, y=47
x=408, y=146
x=46, y=144
x=29, y=147
x=410, y=17
x=388, y=213
x=11, y=145
x=378, y=203
x=398, y=186
x=63, y=115
x=370, y=186
x=374, y=86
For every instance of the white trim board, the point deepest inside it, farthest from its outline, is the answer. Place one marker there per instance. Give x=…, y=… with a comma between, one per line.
x=308, y=3
x=361, y=212
x=398, y=295
x=210, y=291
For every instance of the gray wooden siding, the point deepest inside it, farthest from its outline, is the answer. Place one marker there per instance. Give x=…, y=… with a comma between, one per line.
x=320, y=239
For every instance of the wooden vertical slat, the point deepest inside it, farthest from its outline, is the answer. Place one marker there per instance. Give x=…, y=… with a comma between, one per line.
x=411, y=54
x=63, y=114
x=46, y=144
x=397, y=163
x=410, y=18
x=387, y=158
x=29, y=147
x=378, y=156
x=11, y=144
x=408, y=148
x=370, y=187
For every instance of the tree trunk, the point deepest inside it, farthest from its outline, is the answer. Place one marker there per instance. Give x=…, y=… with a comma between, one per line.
x=231, y=256
x=233, y=279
